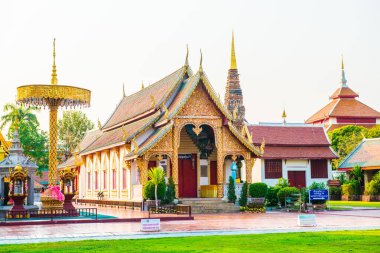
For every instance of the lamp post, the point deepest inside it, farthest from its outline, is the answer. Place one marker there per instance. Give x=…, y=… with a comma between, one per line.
x=53, y=96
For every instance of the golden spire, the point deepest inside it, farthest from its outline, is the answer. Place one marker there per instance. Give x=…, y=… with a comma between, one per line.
x=142, y=85
x=284, y=117
x=99, y=124
x=342, y=63
x=200, y=62
x=123, y=90
x=187, y=55
x=343, y=79
x=54, y=79
x=233, y=56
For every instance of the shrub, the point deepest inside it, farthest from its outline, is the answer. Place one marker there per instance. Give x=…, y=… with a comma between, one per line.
x=282, y=182
x=350, y=188
x=305, y=195
x=286, y=192
x=170, y=191
x=231, y=190
x=335, y=192
x=317, y=186
x=258, y=190
x=272, y=199
x=243, y=195
x=373, y=187
x=148, y=192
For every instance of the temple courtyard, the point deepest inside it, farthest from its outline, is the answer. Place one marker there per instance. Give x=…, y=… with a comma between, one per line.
x=202, y=225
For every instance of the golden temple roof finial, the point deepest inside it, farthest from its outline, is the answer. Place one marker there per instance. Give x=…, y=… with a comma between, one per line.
x=343, y=78
x=54, y=79
x=187, y=56
x=142, y=85
x=200, y=62
x=123, y=90
x=284, y=117
x=233, y=56
x=99, y=124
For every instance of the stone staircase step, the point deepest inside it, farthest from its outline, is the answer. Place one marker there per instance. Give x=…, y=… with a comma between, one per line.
x=210, y=205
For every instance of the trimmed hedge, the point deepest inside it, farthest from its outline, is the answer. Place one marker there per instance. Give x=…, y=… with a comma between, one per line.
x=258, y=190
x=272, y=199
x=286, y=192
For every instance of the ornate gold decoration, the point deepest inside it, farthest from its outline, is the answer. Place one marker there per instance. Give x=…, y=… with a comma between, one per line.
x=197, y=130
x=159, y=157
x=200, y=63
x=249, y=165
x=125, y=134
x=153, y=101
x=53, y=96
x=135, y=146
x=234, y=157
x=142, y=85
x=233, y=56
x=166, y=115
x=235, y=112
x=99, y=124
x=187, y=56
x=142, y=165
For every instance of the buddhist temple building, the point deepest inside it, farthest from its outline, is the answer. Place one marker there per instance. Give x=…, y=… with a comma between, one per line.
x=178, y=123
x=14, y=158
x=344, y=109
x=367, y=156
x=298, y=152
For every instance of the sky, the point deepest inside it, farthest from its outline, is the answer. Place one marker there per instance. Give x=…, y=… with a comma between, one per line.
x=288, y=52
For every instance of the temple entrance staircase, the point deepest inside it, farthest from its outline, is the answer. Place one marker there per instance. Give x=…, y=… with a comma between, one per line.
x=209, y=205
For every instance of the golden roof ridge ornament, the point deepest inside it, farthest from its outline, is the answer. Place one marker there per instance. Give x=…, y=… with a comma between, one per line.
x=283, y=117
x=233, y=55
x=123, y=90
x=200, y=62
x=54, y=79
x=343, y=80
x=142, y=85
x=187, y=56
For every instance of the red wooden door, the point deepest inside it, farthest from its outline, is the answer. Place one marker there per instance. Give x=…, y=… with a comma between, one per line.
x=213, y=177
x=187, y=176
x=297, y=178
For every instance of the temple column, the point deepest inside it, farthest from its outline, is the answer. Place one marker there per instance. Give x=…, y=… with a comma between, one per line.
x=142, y=165
x=220, y=172
x=248, y=170
x=175, y=159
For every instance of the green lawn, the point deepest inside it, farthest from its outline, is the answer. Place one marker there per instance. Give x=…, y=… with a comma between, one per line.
x=354, y=203
x=338, y=241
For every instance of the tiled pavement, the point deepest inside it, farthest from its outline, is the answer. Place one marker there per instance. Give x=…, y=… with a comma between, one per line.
x=203, y=224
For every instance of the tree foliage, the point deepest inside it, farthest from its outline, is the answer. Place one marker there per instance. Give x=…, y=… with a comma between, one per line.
x=33, y=140
x=231, y=195
x=72, y=128
x=345, y=139
x=156, y=176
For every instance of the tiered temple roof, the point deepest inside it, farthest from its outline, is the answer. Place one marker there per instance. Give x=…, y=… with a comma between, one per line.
x=344, y=105
x=150, y=111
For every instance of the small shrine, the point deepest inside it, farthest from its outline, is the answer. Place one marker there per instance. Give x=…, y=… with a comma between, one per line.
x=18, y=191
x=16, y=161
x=68, y=186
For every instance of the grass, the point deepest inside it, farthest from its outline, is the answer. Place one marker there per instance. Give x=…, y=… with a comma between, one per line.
x=333, y=203
x=336, y=241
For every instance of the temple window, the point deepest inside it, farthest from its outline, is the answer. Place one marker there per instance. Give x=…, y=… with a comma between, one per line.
x=273, y=168
x=105, y=179
x=319, y=168
x=96, y=180
x=124, y=178
x=114, y=179
x=89, y=180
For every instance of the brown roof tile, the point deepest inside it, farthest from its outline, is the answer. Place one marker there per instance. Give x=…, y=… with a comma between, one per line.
x=140, y=102
x=288, y=135
x=353, y=108
x=118, y=135
x=271, y=152
x=323, y=113
x=344, y=92
x=366, y=154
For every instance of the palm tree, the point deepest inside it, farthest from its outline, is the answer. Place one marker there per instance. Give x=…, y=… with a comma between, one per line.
x=156, y=176
x=16, y=114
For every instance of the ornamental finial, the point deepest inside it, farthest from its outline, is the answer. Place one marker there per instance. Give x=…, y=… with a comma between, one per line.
x=123, y=90
x=343, y=80
x=200, y=62
x=99, y=124
x=233, y=56
x=54, y=79
x=142, y=85
x=187, y=56
x=284, y=117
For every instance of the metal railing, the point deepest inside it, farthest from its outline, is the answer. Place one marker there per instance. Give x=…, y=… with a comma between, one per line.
x=52, y=214
x=111, y=203
x=171, y=209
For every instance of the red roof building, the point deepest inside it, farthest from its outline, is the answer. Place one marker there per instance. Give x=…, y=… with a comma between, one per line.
x=299, y=153
x=344, y=109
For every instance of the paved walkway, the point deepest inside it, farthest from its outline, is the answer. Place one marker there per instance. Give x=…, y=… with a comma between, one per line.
x=204, y=224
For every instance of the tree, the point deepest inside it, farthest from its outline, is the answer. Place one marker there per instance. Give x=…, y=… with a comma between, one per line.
x=72, y=128
x=33, y=140
x=170, y=191
x=243, y=196
x=156, y=175
x=345, y=139
x=15, y=114
x=231, y=190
